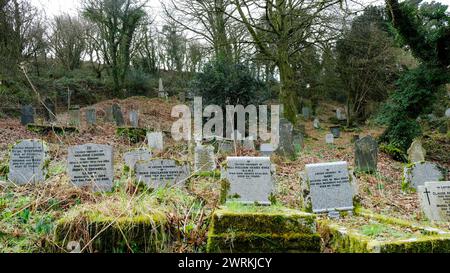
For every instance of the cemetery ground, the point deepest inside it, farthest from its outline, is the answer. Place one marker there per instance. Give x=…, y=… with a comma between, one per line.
x=38, y=218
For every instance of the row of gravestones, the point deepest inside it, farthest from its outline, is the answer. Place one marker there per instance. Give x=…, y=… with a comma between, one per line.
x=113, y=114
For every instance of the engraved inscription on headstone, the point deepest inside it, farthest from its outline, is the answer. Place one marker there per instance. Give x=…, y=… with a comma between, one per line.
x=161, y=172
x=435, y=200
x=28, y=162
x=91, y=165
x=250, y=179
x=330, y=186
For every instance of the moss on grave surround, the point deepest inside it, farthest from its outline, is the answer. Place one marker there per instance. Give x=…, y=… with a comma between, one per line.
x=403, y=236
x=249, y=228
x=134, y=135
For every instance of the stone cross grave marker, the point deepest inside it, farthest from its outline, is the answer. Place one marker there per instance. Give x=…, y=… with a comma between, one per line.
x=74, y=115
x=27, y=115
x=91, y=165
x=28, y=162
x=155, y=141
x=117, y=115
x=136, y=155
x=420, y=172
x=366, y=155
x=161, y=172
x=329, y=139
x=435, y=200
x=250, y=179
x=416, y=153
x=134, y=119
x=330, y=186
x=204, y=159
x=91, y=116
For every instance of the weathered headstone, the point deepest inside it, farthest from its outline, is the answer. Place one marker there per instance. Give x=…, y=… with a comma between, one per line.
x=204, y=160
x=134, y=156
x=316, y=123
x=366, y=155
x=306, y=112
x=416, y=153
x=49, y=110
x=250, y=179
x=330, y=186
x=298, y=141
x=134, y=119
x=28, y=162
x=91, y=165
x=340, y=115
x=155, y=141
x=161, y=92
x=416, y=174
x=27, y=115
x=117, y=115
x=161, y=172
x=286, y=146
x=447, y=113
x=329, y=139
x=109, y=115
x=266, y=149
x=91, y=116
x=74, y=115
x=435, y=200
x=336, y=131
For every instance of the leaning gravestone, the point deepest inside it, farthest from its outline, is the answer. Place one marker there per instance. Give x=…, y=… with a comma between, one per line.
x=266, y=149
x=28, y=162
x=329, y=139
x=134, y=156
x=91, y=165
x=366, y=155
x=435, y=200
x=330, y=186
x=204, y=160
x=416, y=153
x=155, y=141
x=74, y=115
x=27, y=115
x=91, y=116
x=134, y=119
x=49, y=110
x=416, y=174
x=286, y=146
x=161, y=172
x=117, y=115
x=250, y=179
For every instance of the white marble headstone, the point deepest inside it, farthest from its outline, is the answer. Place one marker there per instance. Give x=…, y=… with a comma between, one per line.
x=435, y=200
x=329, y=138
x=161, y=172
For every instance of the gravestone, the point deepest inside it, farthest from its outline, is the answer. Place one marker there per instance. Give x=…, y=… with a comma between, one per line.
x=416, y=174
x=306, y=112
x=91, y=165
x=134, y=119
x=416, y=153
x=329, y=139
x=27, y=115
x=250, y=179
x=28, y=162
x=286, y=146
x=316, y=123
x=134, y=156
x=91, y=116
x=330, y=186
x=161, y=172
x=109, y=115
x=447, y=113
x=117, y=115
x=298, y=142
x=74, y=115
x=366, y=155
x=336, y=131
x=49, y=110
x=248, y=144
x=340, y=115
x=204, y=160
x=155, y=141
x=266, y=149
x=435, y=200
x=161, y=92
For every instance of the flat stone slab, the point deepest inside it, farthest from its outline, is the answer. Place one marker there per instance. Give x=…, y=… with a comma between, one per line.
x=161, y=173
x=250, y=179
x=28, y=162
x=330, y=186
x=91, y=165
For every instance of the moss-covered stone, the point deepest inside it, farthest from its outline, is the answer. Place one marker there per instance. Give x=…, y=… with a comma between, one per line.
x=46, y=129
x=240, y=228
x=95, y=233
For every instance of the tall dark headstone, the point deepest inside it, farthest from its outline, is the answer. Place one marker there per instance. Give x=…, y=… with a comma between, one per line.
x=366, y=155
x=49, y=110
x=27, y=115
x=117, y=115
